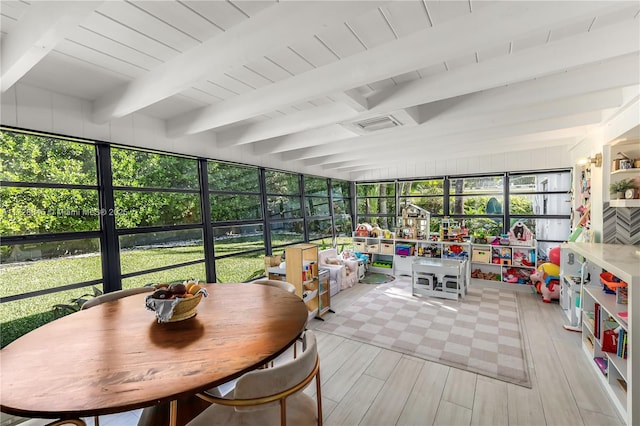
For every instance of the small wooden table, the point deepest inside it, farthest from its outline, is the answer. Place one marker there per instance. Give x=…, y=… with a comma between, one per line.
x=115, y=357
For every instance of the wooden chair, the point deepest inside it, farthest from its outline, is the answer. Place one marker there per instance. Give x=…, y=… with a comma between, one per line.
x=115, y=295
x=279, y=284
x=271, y=396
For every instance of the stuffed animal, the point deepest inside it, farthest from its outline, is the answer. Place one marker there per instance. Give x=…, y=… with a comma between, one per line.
x=547, y=281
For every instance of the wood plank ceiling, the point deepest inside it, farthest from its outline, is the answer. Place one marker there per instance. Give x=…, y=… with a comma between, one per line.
x=292, y=79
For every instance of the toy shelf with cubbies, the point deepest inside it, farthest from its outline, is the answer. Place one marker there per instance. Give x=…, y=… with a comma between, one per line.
x=608, y=317
x=511, y=264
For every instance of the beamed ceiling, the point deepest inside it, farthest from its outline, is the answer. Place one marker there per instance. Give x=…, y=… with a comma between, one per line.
x=298, y=81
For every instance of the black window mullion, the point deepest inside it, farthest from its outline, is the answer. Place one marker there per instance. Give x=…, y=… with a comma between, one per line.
x=506, y=204
x=266, y=220
x=446, y=186
x=109, y=243
x=207, y=230
x=303, y=205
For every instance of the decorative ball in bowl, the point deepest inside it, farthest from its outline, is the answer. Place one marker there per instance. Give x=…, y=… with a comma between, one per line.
x=175, y=302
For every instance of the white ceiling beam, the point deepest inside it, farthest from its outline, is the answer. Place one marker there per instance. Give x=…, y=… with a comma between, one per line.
x=302, y=139
x=37, y=32
x=297, y=122
x=272, y=28
x=466, y=151
x=566, y=58
x=472, y=32
x=472, y=120
x=352, y=98
x=422, y=141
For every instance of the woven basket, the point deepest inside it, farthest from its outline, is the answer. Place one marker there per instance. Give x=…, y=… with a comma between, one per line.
x=186, y=308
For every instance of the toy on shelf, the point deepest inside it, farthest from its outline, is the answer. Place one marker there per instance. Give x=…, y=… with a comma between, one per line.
x=519, y=234
x=414, y=222
x=376, y=231
x=451, y=230
x=547, y=277
x=363, y=230
x=501, y=255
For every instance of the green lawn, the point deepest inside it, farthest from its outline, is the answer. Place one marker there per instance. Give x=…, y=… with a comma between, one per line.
x=21, y=316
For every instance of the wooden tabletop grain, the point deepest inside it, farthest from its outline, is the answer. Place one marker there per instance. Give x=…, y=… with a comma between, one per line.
x=116, y=357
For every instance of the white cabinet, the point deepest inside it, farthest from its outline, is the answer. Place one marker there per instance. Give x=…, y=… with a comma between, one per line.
x=602, y=316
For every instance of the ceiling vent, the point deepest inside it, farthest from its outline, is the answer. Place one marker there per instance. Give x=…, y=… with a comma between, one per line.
x=377, y=123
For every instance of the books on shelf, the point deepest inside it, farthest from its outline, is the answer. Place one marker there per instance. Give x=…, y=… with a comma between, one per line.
x=596, y=327
x=602, y=364
x=622, y=343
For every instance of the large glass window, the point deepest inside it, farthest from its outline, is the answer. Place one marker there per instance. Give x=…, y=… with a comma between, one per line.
x=376, y=204
x=284, y=207
x=426, y=194
x=282, y=182
x=233, y=177
x=491, y=203
x=477, y=202
x=237, y=239
x=226, y=207
x=285, y=233
x=342, y=199
x=154, y=194
x=150, y=250
x=542, y=202
x=142, y=169
x=49, y=226
x=238, y=226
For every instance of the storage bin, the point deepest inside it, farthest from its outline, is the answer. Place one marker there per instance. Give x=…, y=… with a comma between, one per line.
x=373, y=248
x=386, y=248
x=481, y=255
x=404, y=250
x=359, y=246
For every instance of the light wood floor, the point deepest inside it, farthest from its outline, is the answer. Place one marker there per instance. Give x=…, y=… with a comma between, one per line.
x=367, y=385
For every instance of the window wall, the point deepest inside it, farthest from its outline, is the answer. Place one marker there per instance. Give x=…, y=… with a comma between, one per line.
x=318, y=210
x=78, y=215
x=237, y=220
x=50, y=223
x=376, y=204
x=491, y=203
x=342, y=202
x=158, y=217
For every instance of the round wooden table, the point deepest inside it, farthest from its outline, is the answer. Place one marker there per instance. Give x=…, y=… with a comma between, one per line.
x=116, y=357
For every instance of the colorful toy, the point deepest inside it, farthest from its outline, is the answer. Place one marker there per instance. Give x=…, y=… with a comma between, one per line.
x=547, y=281
x=363, y=230
x=520, y=234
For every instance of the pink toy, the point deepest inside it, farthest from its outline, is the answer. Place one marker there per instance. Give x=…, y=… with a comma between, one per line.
x=547, y=281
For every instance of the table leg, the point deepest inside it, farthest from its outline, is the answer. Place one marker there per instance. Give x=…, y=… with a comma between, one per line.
x=160, y=415
x=173, y=413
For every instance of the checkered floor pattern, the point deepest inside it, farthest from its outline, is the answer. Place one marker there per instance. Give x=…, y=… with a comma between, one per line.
x=480, y=333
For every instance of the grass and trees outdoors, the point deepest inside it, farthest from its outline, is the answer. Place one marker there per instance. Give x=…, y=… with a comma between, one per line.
x=50, y=187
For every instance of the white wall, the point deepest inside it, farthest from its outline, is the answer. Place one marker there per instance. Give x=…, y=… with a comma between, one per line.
x=626, y=121
x=39, y=109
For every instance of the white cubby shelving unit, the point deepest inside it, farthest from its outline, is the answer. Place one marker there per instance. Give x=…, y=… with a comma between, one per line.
x=600, y=312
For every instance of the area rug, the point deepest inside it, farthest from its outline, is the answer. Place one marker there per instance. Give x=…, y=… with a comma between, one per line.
x=376, y=278
x=481, y=333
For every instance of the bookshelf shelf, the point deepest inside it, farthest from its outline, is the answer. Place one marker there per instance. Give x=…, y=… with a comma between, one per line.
x=624, y=263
